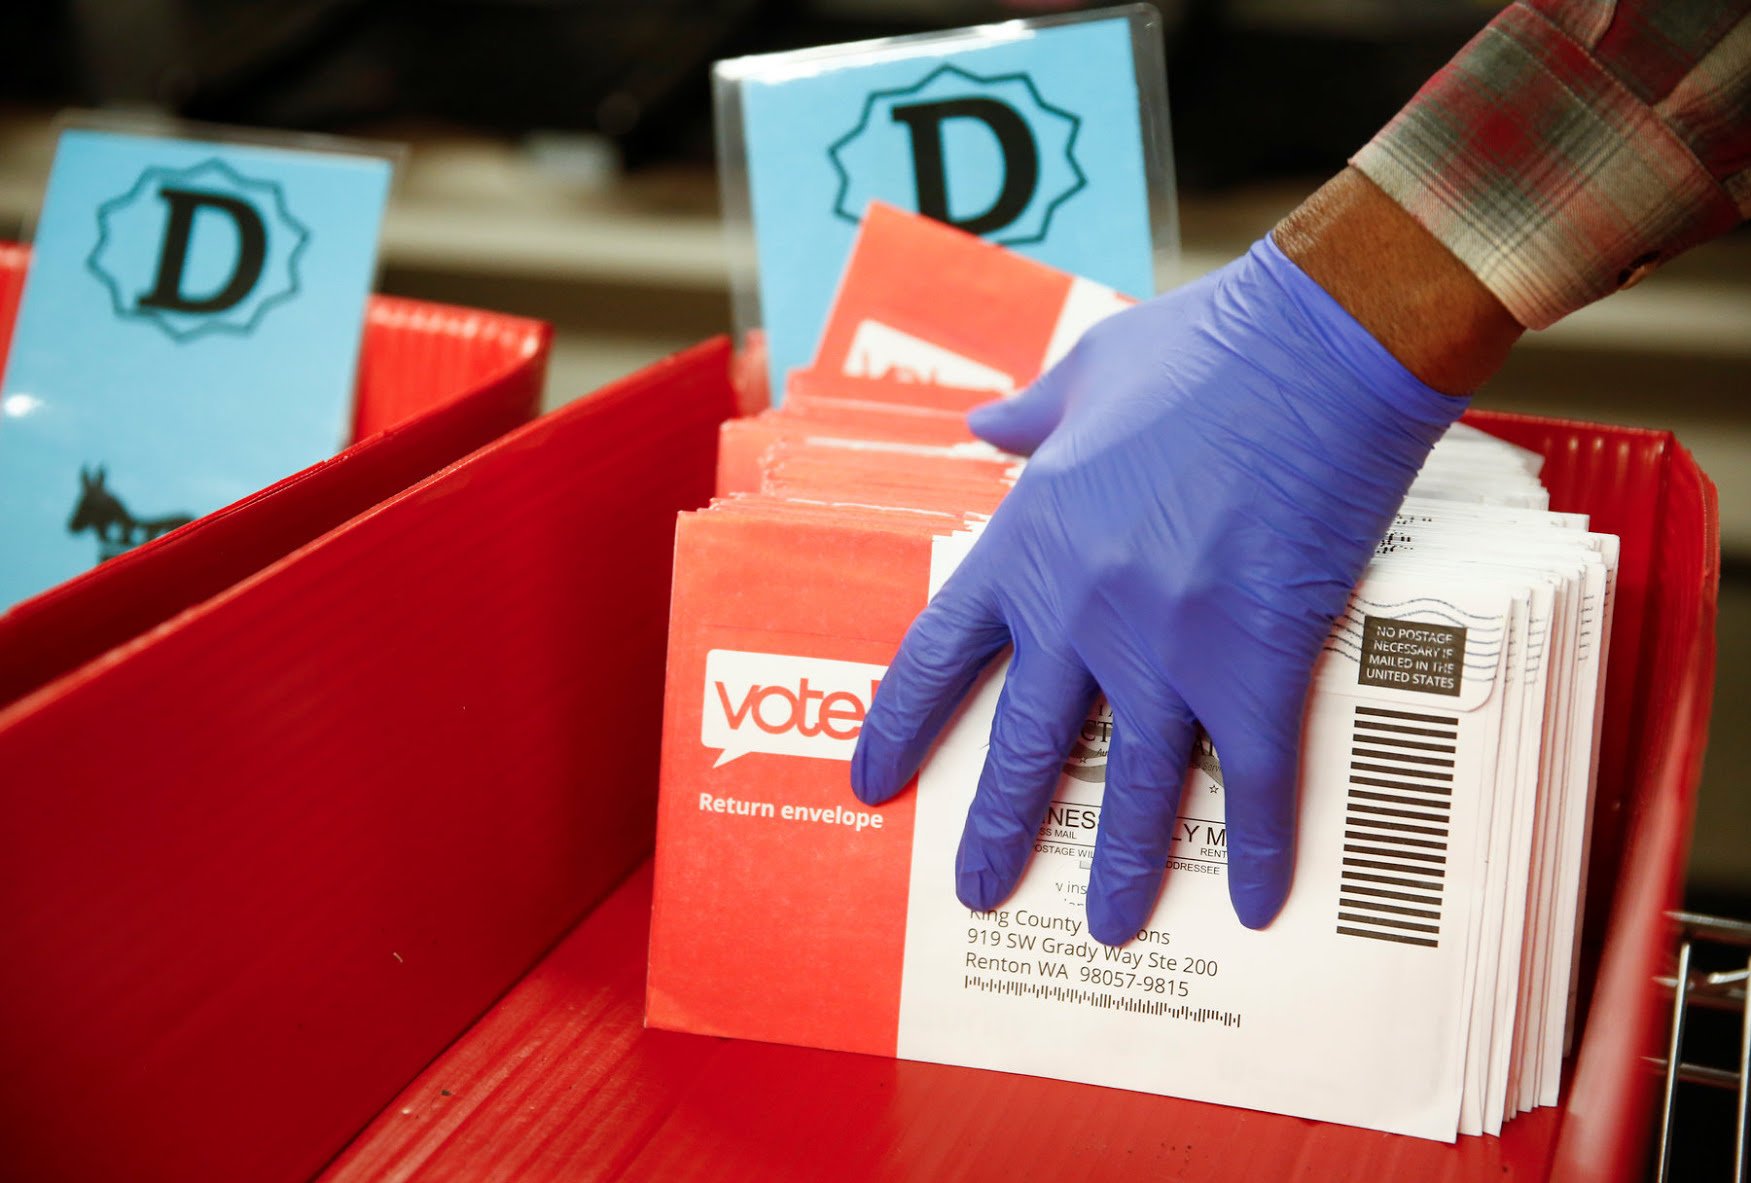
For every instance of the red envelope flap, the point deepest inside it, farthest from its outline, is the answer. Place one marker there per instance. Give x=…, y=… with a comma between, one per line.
x=982, y=316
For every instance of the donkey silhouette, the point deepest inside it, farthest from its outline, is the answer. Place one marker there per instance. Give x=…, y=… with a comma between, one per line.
x=103, y=513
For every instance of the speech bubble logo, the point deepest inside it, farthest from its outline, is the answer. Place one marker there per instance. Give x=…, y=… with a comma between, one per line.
x=784, y=705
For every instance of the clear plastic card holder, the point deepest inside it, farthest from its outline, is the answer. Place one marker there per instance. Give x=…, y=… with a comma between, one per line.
x=146, y=122
x=188, y=332
x=1048, y=135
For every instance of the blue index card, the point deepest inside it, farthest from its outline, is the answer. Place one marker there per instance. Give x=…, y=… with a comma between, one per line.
x=188, y=334
x=1031, y=138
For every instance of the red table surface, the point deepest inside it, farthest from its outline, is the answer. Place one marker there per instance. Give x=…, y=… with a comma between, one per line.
x=561, y=1081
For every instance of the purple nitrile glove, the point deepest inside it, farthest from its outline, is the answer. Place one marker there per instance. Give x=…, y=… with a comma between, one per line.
x=1211, y=472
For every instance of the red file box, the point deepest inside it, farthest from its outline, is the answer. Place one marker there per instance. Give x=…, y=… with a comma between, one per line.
x=405, y=758
x=435, y=382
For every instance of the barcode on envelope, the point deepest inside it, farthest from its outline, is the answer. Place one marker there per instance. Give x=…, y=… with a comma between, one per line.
x=1394, y=876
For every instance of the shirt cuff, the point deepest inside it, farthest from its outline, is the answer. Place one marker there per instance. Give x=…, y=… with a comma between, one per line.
x=1542, y=172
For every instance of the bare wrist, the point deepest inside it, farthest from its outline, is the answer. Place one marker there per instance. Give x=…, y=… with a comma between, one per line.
x=1407, y=289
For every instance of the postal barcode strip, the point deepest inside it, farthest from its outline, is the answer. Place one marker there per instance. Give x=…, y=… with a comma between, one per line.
x=1427, y=815
x=1399, y=735
x=1099, y=999
x=1410, y=786
x=1382, y=753
x=1397, y=769
x=1420, y=803
x=1366, y=850
x=1412, y=915
x=1364, y=818
x=1409, y=897
x=1393, y=878
x=1429, y=835
x=1368, y=835
x=1433, y=872
x=1396, y=729
x=1353, y=876
x=1383, y=713
x=1399, y=937
x=1390, y=921
x=1413, y=745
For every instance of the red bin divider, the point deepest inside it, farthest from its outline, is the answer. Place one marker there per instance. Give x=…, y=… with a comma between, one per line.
x=1647, y=488
x=264, y=861
x=435, y=382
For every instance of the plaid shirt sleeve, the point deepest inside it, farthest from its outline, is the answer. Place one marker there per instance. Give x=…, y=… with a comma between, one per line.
x=1574, y=145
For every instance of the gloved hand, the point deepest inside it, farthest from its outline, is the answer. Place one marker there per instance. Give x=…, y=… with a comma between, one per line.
x=1211, y=472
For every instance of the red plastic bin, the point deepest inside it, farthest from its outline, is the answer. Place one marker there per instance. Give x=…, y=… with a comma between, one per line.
x=263, y=861
x=435, y=382
x=227, y=962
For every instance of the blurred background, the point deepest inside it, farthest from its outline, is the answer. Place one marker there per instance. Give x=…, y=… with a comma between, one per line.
x=561, y=167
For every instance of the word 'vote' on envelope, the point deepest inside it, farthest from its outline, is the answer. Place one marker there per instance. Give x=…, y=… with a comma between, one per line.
x=189, y=333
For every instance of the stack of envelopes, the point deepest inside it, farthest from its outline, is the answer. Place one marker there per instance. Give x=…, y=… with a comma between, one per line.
x=1421, y=977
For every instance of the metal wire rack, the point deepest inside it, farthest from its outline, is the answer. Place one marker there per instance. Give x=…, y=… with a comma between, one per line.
x=1715, y=990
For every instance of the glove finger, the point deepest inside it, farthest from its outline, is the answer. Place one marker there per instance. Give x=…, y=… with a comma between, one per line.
x=950, y=642
x=1021, y=423
x=1146, y=769
x=1261, y=773
x=1044, y=703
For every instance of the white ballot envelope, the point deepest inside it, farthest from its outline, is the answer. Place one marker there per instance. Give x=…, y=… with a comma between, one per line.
x=1367, y=966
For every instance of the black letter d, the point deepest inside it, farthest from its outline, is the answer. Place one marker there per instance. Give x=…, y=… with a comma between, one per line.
x=167, y=290
x=1021, y=160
